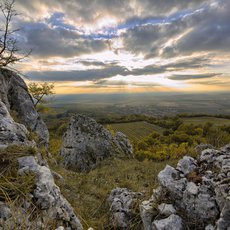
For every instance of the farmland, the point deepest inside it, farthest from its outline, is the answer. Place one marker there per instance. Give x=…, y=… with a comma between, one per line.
x=202, y=120
x=135, y=131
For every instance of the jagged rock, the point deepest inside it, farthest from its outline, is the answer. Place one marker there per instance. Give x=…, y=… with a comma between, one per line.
x=208, y=155
x=5, y=212
x=191, y=188
x=224, y=221
x=47, y=194
x=170, y=179
x=147, y=213
x=201, y=201
x=173, y=222
x=14, y=94
x=201, y=147
x=166, y=209
x=200, y=205
x=122, y=203
x=187, y=165
x=124, y=143
x=148, y=208
x=11, y=133
x=86, y=143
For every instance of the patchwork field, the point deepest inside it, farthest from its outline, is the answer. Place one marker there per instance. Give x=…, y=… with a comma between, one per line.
x=202, y=120
x=135, y=131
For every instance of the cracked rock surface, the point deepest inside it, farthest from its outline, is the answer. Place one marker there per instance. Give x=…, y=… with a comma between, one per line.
x=197, y=192
x=14, y=94
x=86, y=143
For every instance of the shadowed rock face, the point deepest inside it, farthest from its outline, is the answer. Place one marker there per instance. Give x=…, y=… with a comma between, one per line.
x=86, y=143
x=11, y=133
x=45, y=202
x=14, y=94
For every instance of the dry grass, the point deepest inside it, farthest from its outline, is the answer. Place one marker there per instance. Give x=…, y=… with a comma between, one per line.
x=88, y=193
x=13, y=185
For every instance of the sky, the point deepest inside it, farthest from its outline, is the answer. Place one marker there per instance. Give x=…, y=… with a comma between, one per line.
x=108, y=46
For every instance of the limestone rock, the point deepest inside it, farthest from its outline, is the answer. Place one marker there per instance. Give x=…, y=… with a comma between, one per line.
x=11, y=133
x=14, y=94
x=204, y=202
x=148, y=208
x=47, y=194
x=122, y=203
x=86, y=143
x=173, y=222
x=186, y=165
x=170, y=179
x=147, y=213
x=124, y=143
x=224, y=221
x=166, y=209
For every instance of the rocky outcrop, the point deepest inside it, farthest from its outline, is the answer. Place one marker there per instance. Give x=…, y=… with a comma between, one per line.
x=122, y=207
x=14, y=94
x=46, y=202
x=47, y=194
x=86, y=143
x=43, y=206
x=11, y=133
x=197, y=194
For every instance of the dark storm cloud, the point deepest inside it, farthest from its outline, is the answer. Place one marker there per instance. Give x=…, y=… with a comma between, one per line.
x=147, y=34
x=207, y=29
x=108, y=70
x=88, y=11
x=77, y=75
x=92, y=74
x=155, y=28
x=47, y=41
x=192, y=77
x=83, y=11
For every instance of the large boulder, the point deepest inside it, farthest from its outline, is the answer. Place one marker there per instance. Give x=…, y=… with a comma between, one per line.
x=86, y=143
x=11, y=133
x=197, y=192
x=14, y=94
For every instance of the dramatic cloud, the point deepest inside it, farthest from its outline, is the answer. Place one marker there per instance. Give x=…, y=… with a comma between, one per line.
x=111, y=42
x=112, y=70
x=85, y=12
x=206, y=29
x=47, y=41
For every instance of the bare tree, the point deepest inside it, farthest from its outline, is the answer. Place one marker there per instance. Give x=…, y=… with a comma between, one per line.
x=9, y=51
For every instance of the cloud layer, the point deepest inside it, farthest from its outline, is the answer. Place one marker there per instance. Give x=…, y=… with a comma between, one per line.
x=106, y=39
